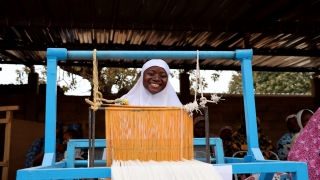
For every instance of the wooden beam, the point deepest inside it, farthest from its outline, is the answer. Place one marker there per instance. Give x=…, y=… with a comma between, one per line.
x=15, y=58
x=4, y=121
x=6, y=153
x=9, y=108
x=270, y=27
x=4, y=164
x=21, y=46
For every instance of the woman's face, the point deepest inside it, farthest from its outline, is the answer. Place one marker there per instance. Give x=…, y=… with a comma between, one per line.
x=293, y=125
x=155, y=79
x=66, y=138
x=199, y=129
x=225, y=134
x=306, y=115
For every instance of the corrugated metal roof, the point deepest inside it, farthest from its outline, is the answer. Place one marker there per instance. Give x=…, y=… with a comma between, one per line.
x=283, y=34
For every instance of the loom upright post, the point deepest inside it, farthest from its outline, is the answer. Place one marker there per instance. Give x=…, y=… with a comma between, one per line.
x=245, y=57
x=51, y=105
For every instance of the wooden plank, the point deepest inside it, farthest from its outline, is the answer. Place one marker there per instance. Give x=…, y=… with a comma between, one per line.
x=9, y=108
x=7, y=138
x=4, y=121
x=23, y=134
x=2, y=163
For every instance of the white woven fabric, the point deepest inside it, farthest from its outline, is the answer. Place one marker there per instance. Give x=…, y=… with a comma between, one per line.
x=180, y=170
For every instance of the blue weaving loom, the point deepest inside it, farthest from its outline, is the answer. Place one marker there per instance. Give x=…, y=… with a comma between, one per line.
x=252, y=163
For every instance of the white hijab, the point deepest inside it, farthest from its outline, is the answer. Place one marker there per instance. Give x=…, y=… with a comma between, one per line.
x=140, y=96
x=299, y=114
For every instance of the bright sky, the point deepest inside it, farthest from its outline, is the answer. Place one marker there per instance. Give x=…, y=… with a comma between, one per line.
x=8, y=76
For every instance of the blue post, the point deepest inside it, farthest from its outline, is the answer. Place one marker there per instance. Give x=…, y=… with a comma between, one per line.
x=53, y=54
x=245, y=57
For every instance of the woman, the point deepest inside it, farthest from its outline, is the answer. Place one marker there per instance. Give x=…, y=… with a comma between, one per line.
x=284, y=142
x=303, y=117
x=200, y=132
x=35, y=154
x=225, y=134
x=153, y=89
x=199, y=127
x=238, y=142
x=307, y=147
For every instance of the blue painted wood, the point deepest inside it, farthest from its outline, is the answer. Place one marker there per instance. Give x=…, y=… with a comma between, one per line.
x=249, y=104
x=134, y=55
x=51, y=112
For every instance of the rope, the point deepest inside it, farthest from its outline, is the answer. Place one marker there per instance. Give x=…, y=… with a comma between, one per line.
x=97, y=96
x=190, y=107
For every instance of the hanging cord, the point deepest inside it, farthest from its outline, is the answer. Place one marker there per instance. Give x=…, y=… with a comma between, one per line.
x=190, y=107
x=97, y=96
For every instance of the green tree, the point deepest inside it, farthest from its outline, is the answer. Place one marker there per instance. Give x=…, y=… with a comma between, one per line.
x=122, y=79
x=274, y=82
x=214, y=77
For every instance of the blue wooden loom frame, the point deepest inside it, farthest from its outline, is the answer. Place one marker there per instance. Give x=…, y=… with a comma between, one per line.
x=252, y=163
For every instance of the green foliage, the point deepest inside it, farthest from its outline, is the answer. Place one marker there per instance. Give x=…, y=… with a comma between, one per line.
x=22, y=78
x=274, y=82
x=109, y=78
x=215, y=76
x=22, y=75
x=120, y=77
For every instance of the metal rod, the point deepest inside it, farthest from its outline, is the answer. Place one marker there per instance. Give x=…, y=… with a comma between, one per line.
x=135, y=55
x=93, y=135
x=89, y=138
x=206, y=119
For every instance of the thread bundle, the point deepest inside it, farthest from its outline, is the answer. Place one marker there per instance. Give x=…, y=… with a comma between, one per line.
x=148, y=133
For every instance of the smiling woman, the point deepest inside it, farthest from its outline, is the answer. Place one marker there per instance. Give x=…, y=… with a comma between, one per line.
x=155, y=79
x=153, y=89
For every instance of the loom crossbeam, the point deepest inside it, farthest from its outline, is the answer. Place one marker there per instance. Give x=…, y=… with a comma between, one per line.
x=71, y=169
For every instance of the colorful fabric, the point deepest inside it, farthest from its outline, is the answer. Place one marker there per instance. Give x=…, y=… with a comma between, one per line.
x=307, y=147
x=140, y=96
x=283, y=145
x=238, y=142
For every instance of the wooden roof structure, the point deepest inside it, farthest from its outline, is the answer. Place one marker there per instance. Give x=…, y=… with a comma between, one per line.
x=284, y=35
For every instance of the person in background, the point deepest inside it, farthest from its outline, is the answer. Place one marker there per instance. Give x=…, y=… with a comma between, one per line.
x=199, y=127
x=35, y=154
x=307, y=147
x=303, y=117
x=72, y=134
x=284, y=142
x=199, y=131
x=77, y=127
x=238, y=142
x=225, y=134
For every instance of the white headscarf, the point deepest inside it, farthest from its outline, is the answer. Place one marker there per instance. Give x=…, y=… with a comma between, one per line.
x=291, y=116
x=140, y=96
x=299, y=114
